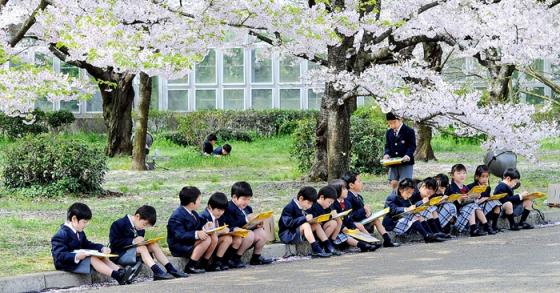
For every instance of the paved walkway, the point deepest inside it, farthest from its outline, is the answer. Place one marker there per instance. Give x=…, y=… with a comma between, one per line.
x=525, y=261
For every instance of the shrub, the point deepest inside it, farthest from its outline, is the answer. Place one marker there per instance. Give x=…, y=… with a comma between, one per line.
x=195, y=126
x=367, y=137
x=16, y=127
x=303, y=144
x=53, y=166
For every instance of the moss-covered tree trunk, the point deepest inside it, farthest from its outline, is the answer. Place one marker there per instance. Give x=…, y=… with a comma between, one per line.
x=139, y=146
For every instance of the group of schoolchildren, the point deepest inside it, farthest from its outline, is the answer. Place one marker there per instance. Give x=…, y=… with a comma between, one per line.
x=209, y=150
x=186, y=237
x=187, y=229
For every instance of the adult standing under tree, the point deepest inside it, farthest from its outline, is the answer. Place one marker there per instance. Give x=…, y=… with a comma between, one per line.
x=400, y=141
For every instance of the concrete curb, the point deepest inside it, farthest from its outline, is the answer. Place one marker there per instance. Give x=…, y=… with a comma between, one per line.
x=57, y=279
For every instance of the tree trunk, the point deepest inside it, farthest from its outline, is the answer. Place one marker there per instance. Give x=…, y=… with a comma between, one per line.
x=318, y=171
x=338, y=135
x=117, y=113
x=499, y=83
x=424, y=149
x=139, y=147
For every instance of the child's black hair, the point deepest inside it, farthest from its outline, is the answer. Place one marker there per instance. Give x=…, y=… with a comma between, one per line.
x=211, y=137
x=227, y=148
x=480, y=169
x=328, y=192
x=80, y=210
x=457, y=168
x=350, y=177
x=338, y=185
x=442, y=179
x=308, y=193
x=241, y=188
x=430, y=183
x=218, y=200
x=512, y=173
x=189, y=194
x=405, y=184
x=148, y=213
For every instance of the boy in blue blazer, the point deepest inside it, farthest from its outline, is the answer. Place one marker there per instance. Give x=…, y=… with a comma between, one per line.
x=130, y=230
x=185, y=231
x=239, y=213
x=71, y=237
x=213, y=214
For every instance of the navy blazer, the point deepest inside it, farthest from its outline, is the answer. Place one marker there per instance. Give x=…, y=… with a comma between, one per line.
x=347, y=221
x=181, y=231
x=234, y=217
x=64, y=242
x=217, y=151
x=454, y=189
x=316, y=210
x=121, y=234
x=396, y=205
x=206, y=217
x=401, y=145
x=504, y=188
x=292, y=217
x=207, y=147
x=357, y=202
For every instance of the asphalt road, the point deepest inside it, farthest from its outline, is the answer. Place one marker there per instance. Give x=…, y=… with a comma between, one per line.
x=525, y=261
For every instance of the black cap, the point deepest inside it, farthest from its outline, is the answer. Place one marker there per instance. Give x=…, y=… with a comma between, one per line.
x=390, y=116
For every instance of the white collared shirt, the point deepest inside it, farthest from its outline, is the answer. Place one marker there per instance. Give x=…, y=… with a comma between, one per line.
x=213, y=218
x=297, y=204
x=131, y=221
x=76, y=260
x=190, y=213
x=398, y=130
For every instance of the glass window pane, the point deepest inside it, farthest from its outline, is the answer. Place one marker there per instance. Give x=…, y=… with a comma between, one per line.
x=95, y=104
x=43, y=104
x=261, y=67
x=314, y=100
x=289, y=99
x=369, y=101
x=72, y=71
x=535, y=99
x=261, y=99
x=205, y=99
x=154, y=101
x=233, y=99
x=538, y=66
x=289, y=69
x=72, y=106
x=233, y=66
x=184, y=80
x=177, y=100
x=206, y=70
x=43, y=60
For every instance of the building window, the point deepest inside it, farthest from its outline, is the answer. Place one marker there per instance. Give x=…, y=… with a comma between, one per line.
x=205, y=99
x=261, y=99
x=177, y=100
x=205, y=72
x=95, y=104
x=290, y=99
x=154, y=100
x=43, y=104
x=261, y=67
x=314, y=100
x=72, y=106
x=289, y=69
x=234, y=66
x=535, y=97
x=233, y=99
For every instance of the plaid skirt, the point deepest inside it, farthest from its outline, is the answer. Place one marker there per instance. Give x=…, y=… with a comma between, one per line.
x=489, y=205
x=464, y=214
x=404, y=223
x=428, y=213
x=447, y=212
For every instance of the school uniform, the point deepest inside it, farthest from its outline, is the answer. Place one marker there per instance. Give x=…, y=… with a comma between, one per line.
x=64, y=242
x=397, y=205
x=207, y=147
x=446, y=212
x=488, y=205
x=293, y=216
x=339, y=207
x=357, y=202
x=207, y=217
x=121, y=235
x=417, y=198
x=513, y=198
x=465, y=209
x=399, y=143
x=235, y=217
x=181, y=231
x=217, y=151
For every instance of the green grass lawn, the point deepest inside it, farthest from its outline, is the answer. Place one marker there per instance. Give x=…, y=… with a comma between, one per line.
x=28, y=224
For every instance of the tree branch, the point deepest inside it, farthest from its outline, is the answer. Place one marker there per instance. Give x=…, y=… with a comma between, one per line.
x=542, y=78
x=30, y=21
x=270, y=41
x=554, y=3
x=62, y=54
